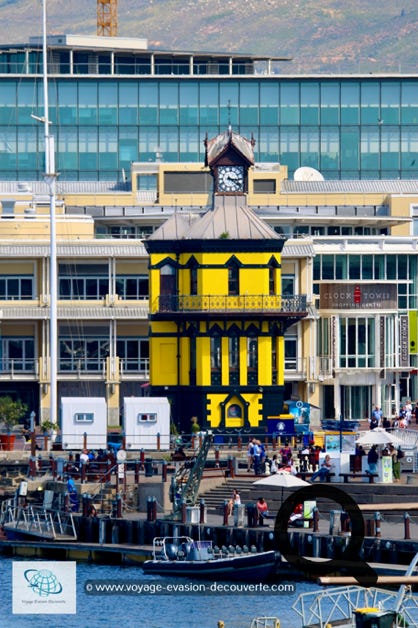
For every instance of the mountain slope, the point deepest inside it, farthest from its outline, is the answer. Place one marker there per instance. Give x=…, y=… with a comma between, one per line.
x=334, y=35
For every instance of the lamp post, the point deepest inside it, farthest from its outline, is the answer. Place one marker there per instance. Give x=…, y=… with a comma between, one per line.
x=32, y=421
x=32, y=434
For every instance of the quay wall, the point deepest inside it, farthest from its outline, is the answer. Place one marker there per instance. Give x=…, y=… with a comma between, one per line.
x=106, y=539
x=309, y=544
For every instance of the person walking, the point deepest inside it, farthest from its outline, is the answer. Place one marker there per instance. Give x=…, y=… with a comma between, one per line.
x=376, y=418
x=408, y=412
x=250, y=451
x=372, y=459
x=257, y=455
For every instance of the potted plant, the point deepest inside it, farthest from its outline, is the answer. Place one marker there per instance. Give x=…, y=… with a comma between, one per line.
x=47, y=427
x=10, y=413
x=195, y=425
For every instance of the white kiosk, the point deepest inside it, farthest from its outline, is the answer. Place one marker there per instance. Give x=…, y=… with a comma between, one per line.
x=146, y=422
x=339, y=446
x=83, y=415
x=383, y=469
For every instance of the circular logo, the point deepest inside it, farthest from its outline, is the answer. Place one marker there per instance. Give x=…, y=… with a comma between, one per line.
x=43, y=582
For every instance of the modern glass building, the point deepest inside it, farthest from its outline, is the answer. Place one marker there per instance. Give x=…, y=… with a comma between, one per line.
x=113, y=101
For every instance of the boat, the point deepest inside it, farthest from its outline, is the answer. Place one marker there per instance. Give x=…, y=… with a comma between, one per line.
x=182, y=556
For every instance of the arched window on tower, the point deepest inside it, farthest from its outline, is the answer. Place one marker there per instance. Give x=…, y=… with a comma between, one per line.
x=233, y=278
x=272, y=280
x=215, y=360
x=168, y=288
x=274, y=285
x=193, y=280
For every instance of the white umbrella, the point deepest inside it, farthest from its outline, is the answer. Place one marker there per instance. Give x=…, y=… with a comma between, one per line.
x=378, y=436
x=282, y=479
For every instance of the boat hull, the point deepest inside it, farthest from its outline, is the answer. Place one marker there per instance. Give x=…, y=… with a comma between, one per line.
x=247, y=567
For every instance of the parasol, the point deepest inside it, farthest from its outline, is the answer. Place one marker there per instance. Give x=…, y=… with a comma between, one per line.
x=281, y=479
x=378, y=436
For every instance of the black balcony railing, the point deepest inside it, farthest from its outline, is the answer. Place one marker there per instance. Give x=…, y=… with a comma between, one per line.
x=224, y=303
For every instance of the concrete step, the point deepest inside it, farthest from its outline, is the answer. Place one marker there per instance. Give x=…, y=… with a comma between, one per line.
x=361, y=492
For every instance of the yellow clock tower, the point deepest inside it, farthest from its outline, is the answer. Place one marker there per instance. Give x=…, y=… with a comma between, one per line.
x=217, y=316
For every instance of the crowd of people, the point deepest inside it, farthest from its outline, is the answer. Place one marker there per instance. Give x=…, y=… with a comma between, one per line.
x=407, y=415
x=259, y=461
x=90, y=464
x=306, y=459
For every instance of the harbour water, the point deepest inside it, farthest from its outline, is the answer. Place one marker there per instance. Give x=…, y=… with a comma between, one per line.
x=135, y=608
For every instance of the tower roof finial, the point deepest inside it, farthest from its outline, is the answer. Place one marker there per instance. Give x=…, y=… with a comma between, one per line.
x=229, y=119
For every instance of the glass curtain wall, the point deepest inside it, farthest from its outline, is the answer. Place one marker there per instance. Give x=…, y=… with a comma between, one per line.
x=346, y=128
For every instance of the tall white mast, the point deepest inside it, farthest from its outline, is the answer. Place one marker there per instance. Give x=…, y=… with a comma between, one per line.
x=50, y=178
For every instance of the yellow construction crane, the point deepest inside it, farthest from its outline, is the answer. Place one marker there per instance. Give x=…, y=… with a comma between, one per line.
x=107, y=18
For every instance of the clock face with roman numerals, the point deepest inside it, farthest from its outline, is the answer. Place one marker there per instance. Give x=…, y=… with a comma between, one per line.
x=230, y=178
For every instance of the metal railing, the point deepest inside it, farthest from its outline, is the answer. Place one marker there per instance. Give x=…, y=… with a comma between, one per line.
x=98, y=365
x=40, y=522
x=295, y=364
x=76, y=365
x=134, y=365
x=18, y=365
x=332, y=605
x=325, y=366
x=230, y=303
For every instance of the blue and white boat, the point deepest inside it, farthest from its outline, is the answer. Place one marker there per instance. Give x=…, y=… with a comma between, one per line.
x=182, y=556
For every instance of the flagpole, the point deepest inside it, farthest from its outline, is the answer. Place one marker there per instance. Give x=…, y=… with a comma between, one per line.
x=50, y=179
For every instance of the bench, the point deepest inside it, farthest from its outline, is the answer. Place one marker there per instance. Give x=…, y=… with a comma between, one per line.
x=369, y=476
x=402, y=506
x=306, y=475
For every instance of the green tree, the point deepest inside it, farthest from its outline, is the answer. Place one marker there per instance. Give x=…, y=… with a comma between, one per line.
x=11, y=411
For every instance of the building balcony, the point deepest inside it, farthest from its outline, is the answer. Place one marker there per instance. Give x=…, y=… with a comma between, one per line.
x=129, y=368
x=295, y=369
x=19, y=368
x=134, y=368
x=110, y=309
x=168, y=306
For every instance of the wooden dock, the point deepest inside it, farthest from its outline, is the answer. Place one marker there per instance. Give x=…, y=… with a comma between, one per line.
x=86, y=552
